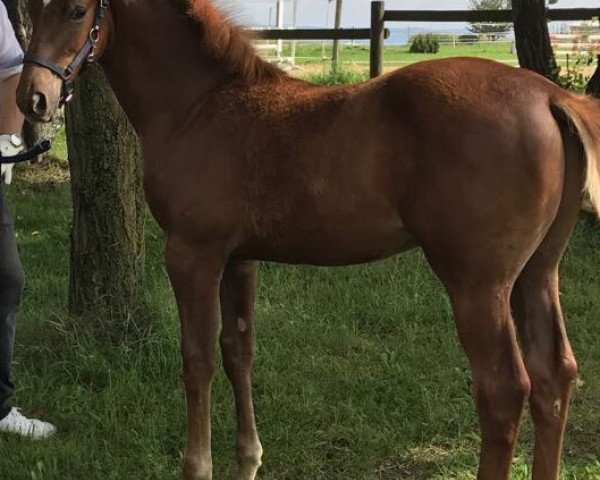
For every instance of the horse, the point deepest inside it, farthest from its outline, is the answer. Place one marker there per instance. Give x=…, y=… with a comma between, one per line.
x=481, y=165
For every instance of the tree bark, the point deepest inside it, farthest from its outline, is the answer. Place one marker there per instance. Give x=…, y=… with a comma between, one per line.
x=107, y=237
x=593, y=86
x=19, y=15
x=532, y=38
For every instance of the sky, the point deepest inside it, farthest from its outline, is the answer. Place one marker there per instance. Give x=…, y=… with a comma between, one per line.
x=318, y=13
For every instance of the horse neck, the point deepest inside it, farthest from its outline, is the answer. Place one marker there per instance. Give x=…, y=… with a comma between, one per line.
x=158, y=65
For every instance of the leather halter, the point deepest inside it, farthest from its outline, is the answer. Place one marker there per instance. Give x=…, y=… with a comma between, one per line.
x=85, y=56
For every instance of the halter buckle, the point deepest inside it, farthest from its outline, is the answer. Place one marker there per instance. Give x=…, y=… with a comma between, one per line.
x=68, y=96
x=93, y=38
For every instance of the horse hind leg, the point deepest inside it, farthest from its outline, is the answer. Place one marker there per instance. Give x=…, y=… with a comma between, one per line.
x=549, y=362
x=536, y=308
x=500, y=382
x=238, y=288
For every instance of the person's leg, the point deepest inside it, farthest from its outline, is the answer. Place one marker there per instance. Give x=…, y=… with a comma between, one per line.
x=11, y=287
x=12, y=280
x=11, y=271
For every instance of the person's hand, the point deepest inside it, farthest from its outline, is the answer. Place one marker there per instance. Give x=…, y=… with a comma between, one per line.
x=10, y=145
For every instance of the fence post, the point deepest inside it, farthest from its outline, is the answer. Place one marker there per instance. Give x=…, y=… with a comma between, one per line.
x=377, y=36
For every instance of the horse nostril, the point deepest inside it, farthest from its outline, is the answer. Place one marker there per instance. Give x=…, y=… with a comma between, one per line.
x=39, y=105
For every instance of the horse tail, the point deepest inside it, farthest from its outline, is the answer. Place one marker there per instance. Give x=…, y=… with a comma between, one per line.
x=584, y=114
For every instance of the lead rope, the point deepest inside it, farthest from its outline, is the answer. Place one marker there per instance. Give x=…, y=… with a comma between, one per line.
x=40, y=148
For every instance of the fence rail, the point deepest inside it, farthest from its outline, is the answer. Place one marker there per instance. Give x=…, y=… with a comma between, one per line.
x=479, y=16
x=317, y=34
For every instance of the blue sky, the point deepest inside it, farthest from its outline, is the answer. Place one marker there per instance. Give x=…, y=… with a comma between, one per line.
x=356, y=12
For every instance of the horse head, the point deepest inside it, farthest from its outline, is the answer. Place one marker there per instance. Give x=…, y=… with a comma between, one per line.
x=67, y=36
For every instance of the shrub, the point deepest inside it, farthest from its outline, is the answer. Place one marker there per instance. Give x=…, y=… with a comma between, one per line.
x=574, y=76
x=339, y=77
x=425, y=43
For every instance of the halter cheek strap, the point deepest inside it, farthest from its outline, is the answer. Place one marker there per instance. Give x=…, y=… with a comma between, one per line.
x=84, y=57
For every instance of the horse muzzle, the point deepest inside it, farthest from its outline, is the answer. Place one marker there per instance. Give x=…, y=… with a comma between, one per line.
x=39, y=94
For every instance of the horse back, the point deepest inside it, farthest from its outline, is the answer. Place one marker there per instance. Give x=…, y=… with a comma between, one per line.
x=288, y=163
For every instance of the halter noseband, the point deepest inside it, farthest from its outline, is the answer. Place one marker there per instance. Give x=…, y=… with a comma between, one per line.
x=85, y=56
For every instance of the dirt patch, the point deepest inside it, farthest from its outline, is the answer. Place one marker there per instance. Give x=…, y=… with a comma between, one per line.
x=49, y=171
x=420, y=463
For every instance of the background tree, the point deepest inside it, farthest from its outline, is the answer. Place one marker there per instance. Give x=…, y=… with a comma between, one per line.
x=18, y=12
x=489, y=28
x=532, y=37
x=107, y=237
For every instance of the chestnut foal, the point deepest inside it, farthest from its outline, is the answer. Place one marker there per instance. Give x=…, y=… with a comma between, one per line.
x=479, y=164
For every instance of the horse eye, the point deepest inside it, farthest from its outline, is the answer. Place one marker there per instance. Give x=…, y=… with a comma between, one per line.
x=77, y=13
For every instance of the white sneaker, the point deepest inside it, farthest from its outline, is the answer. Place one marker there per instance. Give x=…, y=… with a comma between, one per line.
x=16, y=422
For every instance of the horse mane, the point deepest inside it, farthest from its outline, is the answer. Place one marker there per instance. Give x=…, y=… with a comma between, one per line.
x=228, y=42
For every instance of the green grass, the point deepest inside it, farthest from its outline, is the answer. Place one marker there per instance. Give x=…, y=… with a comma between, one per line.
x=59, y=145
x=400, y=55
x=358, y=375
x=356, y=57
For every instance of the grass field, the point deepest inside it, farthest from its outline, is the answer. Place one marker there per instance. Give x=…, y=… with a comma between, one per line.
x=316, y=57
x=358, y=374
x=356, y=57
x=398, y=55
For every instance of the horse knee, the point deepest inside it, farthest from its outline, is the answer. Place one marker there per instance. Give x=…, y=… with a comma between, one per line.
x=197, y=370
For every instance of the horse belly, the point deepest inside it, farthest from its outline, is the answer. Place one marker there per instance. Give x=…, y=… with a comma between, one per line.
x=334, y=241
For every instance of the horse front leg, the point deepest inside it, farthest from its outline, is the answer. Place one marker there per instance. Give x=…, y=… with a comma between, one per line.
x=238, y=289
x=195, y=275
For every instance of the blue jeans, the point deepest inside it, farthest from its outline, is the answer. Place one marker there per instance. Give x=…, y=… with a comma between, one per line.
x=12, y=280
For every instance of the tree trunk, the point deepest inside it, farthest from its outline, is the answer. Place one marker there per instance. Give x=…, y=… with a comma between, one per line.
x=18, y=13
x=532, y=38
x=107, y=237
x=593, y=86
